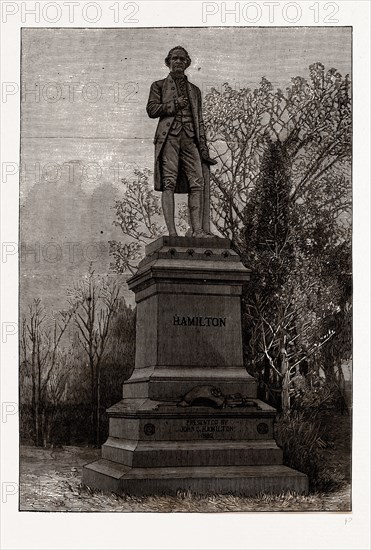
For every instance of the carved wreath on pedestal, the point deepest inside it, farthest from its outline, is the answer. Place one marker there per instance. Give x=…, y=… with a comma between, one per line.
x=210, y=396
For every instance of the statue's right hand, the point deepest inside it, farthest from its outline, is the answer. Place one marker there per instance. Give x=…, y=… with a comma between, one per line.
x=182, y=101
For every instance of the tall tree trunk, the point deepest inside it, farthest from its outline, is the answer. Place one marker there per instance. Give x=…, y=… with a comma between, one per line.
x=39, y=412
x=285, y=396
x=93, y=400
x=98, y=406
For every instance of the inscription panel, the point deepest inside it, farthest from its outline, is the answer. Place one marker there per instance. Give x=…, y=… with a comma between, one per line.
x=207, y=428
x=204, y=428
x=187, y=321
x=200, y=330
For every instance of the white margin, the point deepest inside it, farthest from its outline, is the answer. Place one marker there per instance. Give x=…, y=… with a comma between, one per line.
x=28, y=530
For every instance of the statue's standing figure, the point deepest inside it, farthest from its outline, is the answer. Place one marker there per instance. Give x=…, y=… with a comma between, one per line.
x=182, y=158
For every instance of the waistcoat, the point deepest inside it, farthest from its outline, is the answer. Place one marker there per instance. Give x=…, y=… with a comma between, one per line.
x=184, y=118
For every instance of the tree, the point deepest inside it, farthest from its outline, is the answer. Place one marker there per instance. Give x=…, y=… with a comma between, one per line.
x=286, y=302
x=282, y=193
x=138, y=215
x=119, y=359
x=94, y=300
x=312, y=119
x=42, y=362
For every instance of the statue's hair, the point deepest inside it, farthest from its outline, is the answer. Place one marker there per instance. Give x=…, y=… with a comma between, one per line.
x=167, y=59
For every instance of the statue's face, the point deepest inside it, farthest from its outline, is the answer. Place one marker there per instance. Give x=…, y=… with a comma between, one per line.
x=178, y=61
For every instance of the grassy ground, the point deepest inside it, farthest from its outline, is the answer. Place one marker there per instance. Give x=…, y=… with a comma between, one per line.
x=51, y=481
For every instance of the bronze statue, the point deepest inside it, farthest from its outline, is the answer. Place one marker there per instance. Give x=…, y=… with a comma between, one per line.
x=182, y=161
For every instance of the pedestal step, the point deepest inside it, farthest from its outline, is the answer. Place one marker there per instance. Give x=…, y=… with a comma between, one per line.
x=240, y=480
x=154, y=454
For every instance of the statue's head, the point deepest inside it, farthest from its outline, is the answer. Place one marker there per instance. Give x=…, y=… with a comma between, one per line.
x=178, y=60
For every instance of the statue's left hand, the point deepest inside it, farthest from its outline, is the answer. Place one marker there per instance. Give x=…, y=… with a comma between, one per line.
x=206, y=157
x=209, y=160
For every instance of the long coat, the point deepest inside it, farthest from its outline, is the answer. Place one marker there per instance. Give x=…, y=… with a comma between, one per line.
x=161, y=104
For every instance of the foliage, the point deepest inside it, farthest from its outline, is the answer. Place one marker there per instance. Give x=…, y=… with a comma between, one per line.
x=306, y=435
x=312, y=119
x=303, y=450
x=94, y=300
x=282, y=194
x=306, y=439
x=43, y=367
x=67, y=424
x=138, y=215
x=118, y=362
x=294, y=289
x=56, y=375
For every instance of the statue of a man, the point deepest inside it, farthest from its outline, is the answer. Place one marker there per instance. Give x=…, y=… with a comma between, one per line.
x=182, y=160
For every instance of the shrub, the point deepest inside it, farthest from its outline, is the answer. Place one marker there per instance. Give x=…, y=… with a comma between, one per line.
x=303, y=440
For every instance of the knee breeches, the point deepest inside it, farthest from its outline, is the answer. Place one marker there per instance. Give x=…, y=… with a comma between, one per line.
x=181, y=152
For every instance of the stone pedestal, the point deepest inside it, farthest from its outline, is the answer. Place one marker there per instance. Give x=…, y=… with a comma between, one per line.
x=189, y=418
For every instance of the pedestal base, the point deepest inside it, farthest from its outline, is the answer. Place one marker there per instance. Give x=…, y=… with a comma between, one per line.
x=238, y=480
x=159, y=447
x=189, y=418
